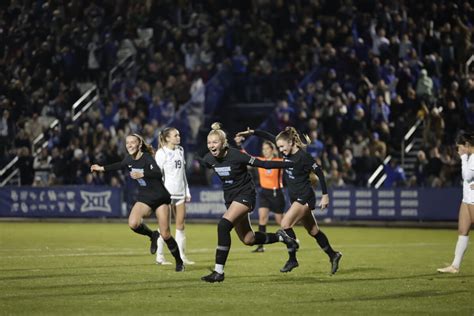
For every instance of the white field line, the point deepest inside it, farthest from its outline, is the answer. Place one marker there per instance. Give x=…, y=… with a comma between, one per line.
x=133, y=251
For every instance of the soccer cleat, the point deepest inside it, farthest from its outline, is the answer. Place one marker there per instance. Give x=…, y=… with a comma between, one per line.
x=289, y=265
x=335, y=262
x=160, y=259
x=289, y=242
x=448, y=269
x=213, y=277
x=154, y=242
x=179, y=267
x=259, y=249
x=187, y=261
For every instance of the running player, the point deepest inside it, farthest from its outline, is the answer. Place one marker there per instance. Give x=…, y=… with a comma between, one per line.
x=239, y=194
x=170, y=158
x=271, y=196
x=301, y=194
x=152, y=195
x=465, y=144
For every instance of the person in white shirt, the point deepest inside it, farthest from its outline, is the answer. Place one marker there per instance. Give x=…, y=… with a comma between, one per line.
x=170, y=158
x=465, y=144
x=378, y=39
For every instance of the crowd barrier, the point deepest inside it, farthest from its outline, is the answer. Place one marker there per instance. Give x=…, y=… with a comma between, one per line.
x=207, y=203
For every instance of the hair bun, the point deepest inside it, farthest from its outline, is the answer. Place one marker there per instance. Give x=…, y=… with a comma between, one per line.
x=216, y=126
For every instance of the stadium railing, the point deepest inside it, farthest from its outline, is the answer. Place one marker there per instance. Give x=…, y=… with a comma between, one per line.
x=125, y=66
x=10, y=173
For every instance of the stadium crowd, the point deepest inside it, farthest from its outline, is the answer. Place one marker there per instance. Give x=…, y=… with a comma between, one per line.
x=378, y=67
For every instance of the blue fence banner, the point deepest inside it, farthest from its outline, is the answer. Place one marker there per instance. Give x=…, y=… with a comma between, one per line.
x=66, y=201
x=423, y=204
x=356, y=204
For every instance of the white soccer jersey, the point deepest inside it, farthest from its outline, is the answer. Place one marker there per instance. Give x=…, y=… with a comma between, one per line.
x=467, y=169
x=172, y=165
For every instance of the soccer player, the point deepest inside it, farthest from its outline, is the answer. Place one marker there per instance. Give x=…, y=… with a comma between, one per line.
x=465, y=144
x=230, y=164
x=271, y=196
x=170, y=158
x=301, y=193
x=152, y=194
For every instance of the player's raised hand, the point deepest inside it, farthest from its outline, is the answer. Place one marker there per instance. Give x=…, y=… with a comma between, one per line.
x=246, y=133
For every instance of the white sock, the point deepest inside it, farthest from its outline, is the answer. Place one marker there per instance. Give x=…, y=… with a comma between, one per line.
x=461, y=247
x=161, y=246
x=219, y=268
x=181, y=241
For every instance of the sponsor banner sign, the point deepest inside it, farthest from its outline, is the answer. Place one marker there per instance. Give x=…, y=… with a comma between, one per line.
x=356, y=204
x=422, y=204
x=208, y=203
x=66, y=201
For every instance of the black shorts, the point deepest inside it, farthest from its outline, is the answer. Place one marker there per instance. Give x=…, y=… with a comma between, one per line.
x=307, y=198
x=154, y=203
x=274, y=200
x=246, y=199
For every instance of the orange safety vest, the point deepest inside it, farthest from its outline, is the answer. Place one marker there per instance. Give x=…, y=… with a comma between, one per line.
x=270, y=178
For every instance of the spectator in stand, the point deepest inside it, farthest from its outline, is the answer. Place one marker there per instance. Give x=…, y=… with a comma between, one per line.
x=25, y=165
x=433, y=168
x=419, y=177
x=364, y=166
x=377, y=146
x=395, y=175
x=6, y=133
x=424, y=86
x=316, y=147
x=42, y=166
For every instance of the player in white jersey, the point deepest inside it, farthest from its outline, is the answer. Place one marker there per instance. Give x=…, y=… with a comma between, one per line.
x=170, y=158
x=465, y=144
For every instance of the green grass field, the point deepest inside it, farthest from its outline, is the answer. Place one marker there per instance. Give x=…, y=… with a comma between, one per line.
x=104, y=268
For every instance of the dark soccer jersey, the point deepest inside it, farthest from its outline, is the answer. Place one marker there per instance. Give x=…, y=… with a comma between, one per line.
x=297, y=178
x=151, y=185
x=232, y=170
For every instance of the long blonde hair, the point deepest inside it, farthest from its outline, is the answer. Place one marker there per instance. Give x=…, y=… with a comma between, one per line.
x=163, y=134
x=290, y=134
x=217, y=130
x=143, y=146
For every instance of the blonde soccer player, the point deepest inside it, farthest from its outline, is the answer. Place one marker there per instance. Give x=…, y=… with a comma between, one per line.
x=171, y=161
x=230, y=164
x=300, y=191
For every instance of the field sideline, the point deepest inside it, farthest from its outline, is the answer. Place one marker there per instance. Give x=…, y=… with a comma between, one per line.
x=104, y=268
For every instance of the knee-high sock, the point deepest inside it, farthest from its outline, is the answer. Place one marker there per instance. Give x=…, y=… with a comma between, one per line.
x=161, y=246
x=291, y=251
x=461, y=247
x=265, y=238
x=181, y=240
x=142, y=229
x=223, y=243
x=323, y=242
x=261, y=229
x=173, y=247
